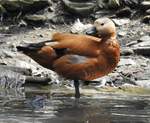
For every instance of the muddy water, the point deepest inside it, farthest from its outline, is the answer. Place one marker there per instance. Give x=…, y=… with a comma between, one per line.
x=42, y=107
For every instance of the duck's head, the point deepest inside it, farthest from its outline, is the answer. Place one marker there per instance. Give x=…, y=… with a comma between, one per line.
x=103, y=28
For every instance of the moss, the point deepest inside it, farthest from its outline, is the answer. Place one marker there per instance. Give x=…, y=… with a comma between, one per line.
x=126, y=90
x=2, y=9
x=135, y=90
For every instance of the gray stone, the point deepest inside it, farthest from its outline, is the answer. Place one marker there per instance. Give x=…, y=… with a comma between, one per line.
x=143, y=83
x=142, y=44
x=120, y=22
x=148, y=11
x=22, y=23
x=109, y=4
x=24, y=5
x=142, y=51
x=146, y=19
x=122, y=33
x=126, y=51
x=131, y=43
x=79, y=28
x=10, y=79
x=79, y=7
x=35, y=19
x=130, y=3
x=145, y=5
x=144, y=38
x=143, y=47
x=124, y=62
x=125, y=12
x=2, y=9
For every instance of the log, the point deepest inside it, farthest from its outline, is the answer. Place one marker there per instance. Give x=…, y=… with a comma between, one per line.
x=37, y=80
x=23, y=71
x=142, y=51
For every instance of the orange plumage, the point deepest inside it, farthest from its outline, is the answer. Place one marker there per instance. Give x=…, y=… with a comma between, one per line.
x=79, y=57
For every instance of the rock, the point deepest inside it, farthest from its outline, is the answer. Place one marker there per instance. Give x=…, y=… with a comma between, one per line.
x=115, y=4
x=127, y=85
x=57, y=19
x=145, y=5
x=132, y=89
x=51, y=9
x=126, y=51
x=6, y=53
x=2, y=9
x=144, y=38
x=143, y=83
x=130, y=3
x=101, y=4
x=79, y=28
x=22, y=23
x=124, y=62
x=120, y=22
x=146, y=19
x=131, y=43
x=143, y=42
x=122, y=33
x=35, y=19
x=111, y=4
x=142, y=51
x=148, y=11
x=82, y=8
x=125, y=12
x=24, y=6
x=10, y=79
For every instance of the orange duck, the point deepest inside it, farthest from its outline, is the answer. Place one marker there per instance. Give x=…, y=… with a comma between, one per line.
x=79, y=57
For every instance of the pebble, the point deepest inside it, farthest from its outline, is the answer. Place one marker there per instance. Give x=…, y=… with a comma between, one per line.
x=148, y=11
x=131, y=43
x=144, y=38
x=35, y=19
x=145, y=51
x=143, y=83
x=78, y=27
x=124, y=62
x=126, y=51
x=125, y=12
x=145, y=5
x=122, y=33
x=146, y=19
x=79, y=7
x=120, y=22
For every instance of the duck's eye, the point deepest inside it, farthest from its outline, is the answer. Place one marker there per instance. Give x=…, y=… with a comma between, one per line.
x=102, y=24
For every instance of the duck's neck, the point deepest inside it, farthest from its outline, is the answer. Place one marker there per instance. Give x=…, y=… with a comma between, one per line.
x=106, y=37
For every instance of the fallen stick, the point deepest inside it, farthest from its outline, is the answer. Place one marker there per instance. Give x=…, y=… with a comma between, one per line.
x=37, y=80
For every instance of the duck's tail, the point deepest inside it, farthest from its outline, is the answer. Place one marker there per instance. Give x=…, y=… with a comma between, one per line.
x=32, y=46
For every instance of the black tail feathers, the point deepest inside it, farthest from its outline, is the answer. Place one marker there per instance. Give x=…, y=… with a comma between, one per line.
x=32, y=46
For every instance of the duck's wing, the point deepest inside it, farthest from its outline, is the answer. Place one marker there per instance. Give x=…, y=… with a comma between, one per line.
x=61, y=37
x=77, y=44
x=78, y=67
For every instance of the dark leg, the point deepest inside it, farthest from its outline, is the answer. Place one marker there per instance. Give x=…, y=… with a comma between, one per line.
x=76, y=85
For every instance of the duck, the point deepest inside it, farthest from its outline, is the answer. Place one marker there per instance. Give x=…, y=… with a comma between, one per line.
x=78, y=56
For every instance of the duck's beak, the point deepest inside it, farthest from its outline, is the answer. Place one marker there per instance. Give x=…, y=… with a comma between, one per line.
x=91, y=31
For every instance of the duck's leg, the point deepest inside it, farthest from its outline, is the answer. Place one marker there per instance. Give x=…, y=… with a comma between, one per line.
x=76, y=85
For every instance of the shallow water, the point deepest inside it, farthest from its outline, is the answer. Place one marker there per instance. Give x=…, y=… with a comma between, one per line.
x=38, y=107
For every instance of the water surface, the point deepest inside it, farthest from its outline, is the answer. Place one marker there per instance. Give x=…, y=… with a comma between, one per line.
x=38, y=107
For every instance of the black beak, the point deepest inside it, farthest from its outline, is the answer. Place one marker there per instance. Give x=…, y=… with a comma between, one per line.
x=91, y=31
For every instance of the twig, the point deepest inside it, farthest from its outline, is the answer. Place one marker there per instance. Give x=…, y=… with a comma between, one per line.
x=37, y=80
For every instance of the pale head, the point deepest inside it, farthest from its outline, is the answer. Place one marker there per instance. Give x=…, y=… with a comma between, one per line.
x=105, y=28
